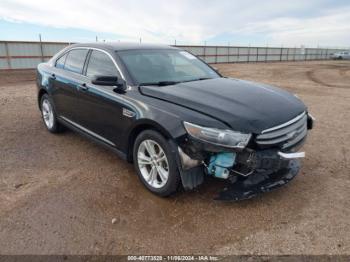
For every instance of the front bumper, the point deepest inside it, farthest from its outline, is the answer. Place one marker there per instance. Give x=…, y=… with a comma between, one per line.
x=271, y=169
x=257, y=183
x=254, y=171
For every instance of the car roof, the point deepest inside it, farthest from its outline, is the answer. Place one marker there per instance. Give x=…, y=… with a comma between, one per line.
x=121, y=46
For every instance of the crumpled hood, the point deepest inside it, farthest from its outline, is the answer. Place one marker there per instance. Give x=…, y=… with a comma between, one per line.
x=244, y=106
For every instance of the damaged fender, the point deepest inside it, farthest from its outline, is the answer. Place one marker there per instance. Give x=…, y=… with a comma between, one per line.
x=191, y=172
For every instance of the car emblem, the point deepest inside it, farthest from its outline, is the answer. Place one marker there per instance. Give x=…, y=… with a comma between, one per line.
x=292, y=134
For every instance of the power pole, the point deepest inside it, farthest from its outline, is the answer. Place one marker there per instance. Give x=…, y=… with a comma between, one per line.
x=41, y=49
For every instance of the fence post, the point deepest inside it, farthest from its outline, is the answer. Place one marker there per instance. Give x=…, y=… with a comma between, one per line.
x=204, y=55
x=281, y=54
x=295, y=50
x=238, y=54
x=216, y=54
x=287, y=54
x=266, y=50
x=248, y=55
x=228, y=54
x=41, y=49
x=8, y=58
x=42, y=52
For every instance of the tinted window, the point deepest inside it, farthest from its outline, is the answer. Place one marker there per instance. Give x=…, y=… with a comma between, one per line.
x=100, y=64
x=60, y=61
x=152, y=66
x=75, y=60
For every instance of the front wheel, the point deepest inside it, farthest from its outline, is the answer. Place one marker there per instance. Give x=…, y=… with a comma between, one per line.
x=155, y=164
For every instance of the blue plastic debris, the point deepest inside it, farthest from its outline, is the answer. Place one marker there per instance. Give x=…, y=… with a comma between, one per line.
x=220, y=163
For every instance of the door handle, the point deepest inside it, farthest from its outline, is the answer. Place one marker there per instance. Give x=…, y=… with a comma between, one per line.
x=53, y=76
x=83, y=87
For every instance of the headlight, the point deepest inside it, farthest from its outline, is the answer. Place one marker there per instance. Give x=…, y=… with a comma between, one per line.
x=220, y=137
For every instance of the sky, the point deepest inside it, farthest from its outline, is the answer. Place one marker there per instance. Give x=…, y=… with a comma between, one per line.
x=312, y=23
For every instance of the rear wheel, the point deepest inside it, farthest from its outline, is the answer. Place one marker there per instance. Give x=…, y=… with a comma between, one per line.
x=49, y=115
x=155, y=164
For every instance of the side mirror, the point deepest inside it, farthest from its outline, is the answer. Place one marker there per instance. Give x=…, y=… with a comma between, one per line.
x=119, y=84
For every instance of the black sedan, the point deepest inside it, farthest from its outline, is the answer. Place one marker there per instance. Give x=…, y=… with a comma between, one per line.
x=175, y=117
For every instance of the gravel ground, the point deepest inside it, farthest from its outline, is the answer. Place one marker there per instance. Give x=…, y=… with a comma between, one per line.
x=60, y=193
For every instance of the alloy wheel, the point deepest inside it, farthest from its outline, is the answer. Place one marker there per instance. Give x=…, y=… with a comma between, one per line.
x=47, y=112
x=153, y=163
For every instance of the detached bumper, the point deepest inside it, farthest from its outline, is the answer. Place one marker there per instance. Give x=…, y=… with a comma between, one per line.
x=257, y=183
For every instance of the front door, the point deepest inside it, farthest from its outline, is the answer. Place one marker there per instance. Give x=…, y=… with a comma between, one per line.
x=100, y=108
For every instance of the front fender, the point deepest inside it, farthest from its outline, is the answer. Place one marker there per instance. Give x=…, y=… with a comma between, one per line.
x=171, y=130
x=190, y=178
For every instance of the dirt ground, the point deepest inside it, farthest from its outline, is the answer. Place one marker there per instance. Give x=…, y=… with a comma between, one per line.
x=59, y=193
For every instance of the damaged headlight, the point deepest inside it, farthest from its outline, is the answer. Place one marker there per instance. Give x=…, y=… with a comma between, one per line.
x=219, y=137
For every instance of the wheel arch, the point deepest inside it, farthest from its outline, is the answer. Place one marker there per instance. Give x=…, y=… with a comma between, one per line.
x=140, y=127
x=41, y=92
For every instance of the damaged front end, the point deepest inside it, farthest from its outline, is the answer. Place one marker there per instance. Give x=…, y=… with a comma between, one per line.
x=255, y=164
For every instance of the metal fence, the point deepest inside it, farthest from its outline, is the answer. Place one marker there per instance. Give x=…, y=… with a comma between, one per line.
x=236, y=54
x=26, y=55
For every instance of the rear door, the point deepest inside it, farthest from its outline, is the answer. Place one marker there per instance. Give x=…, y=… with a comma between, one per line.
x=100, y=107
x=68, y=78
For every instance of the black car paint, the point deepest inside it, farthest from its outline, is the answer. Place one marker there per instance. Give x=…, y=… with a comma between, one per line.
x=244, y=106
x=222, y=103
x=99, y=108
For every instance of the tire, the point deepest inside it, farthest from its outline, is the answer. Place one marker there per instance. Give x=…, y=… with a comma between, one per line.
x=150, y=167
x=49, y=116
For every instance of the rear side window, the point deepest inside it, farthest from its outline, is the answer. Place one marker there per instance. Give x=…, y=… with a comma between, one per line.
x=100, y=64
x=75, y=60
x=60, y=62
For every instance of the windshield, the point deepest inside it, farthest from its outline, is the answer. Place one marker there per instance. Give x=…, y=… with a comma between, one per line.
x=165, y=67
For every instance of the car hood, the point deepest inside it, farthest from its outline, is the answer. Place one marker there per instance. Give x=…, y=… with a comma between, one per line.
x=243, y=105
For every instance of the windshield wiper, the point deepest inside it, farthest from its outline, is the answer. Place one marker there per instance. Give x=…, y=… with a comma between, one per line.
x=198, y=79
x=160, y=83
x=168, y=83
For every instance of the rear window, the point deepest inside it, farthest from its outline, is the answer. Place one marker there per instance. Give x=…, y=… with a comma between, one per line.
x=75, y=60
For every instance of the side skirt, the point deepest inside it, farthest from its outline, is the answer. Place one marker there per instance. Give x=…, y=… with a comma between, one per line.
x=92, y=138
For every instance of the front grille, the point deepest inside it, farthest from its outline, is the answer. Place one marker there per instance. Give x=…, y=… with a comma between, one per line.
x=286, y=135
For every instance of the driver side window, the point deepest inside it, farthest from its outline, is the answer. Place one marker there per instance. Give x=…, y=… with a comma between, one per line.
x=100, y=64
